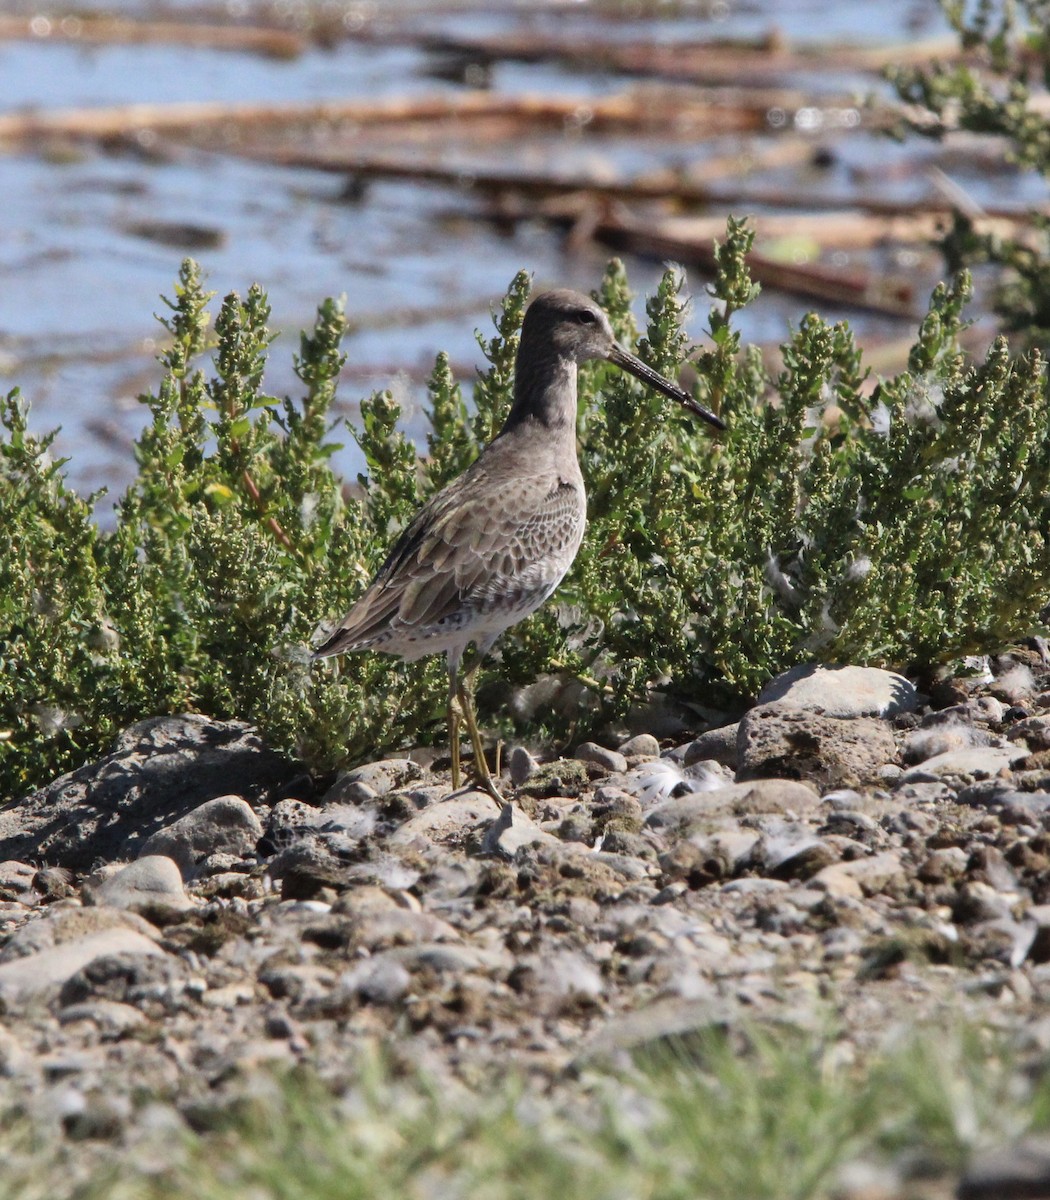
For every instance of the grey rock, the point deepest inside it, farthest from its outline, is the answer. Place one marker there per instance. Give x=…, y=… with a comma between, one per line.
x=720, y=745
x=110, y=1017
x=693, y=813
x=1018, y=1172
x=314, y=862
x=862, y=876
x=642, y=745
x=976, y=763
x=378, y=980
x=16, y=882
x=60, y=926
x=158, y=771
x=521, y=765
x=774, y=740
x=151, y=887
x=447, y=819
x=387, y=775
x=1034, y=731
x=609, y=760
x=922, y=744
x=842, y=691
x=33, y=975
x=286, y=822
x=225, y=825
x=511, y=830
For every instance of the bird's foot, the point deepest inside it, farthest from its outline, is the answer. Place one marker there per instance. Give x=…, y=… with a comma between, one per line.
x=487, y=784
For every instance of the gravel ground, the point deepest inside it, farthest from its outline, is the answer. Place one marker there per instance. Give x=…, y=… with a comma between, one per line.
x=850, y=852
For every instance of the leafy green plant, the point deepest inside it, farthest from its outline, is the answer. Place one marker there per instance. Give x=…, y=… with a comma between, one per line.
x=895, y=524
x=999, y=91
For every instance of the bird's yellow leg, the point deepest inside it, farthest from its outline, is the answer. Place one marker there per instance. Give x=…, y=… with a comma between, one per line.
x=454, y=717
x=481, y=766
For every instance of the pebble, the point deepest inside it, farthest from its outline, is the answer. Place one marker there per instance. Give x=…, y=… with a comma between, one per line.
x=511, y=830
x=387, y=775
x=609, y=760
x=775, y=740
x=150, y=886
x=446, y=820
x=464, y=933
x=717, y=745
x=642, y=745
x=1017, y=1172
x=974, y=763
x=521, y=765
x=225, y=825
x=31, y=976
x=842, y=691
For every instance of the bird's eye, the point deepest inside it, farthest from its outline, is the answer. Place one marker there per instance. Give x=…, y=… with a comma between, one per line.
x=585, y=317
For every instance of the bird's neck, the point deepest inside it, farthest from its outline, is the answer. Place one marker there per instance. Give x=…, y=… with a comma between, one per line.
x=545, y=395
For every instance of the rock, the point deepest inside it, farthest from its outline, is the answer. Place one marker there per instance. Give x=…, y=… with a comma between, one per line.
x=387, y=775
x=521, y=765
x=720, y=745
x=225, y=825
x=642, y=745
x=841, y=691
x=16, y=882
x=286, y=822
x=31, y=976
x=608, y=760
x=151, y=887
x=158, y=771
x=1034, y=731
x=511, y=830
x=60, y=926
x=154, y=982
x=862, y=876
x=923, y=744
x=110, y=1017
x=378, y=980
x=977, y=763
x=315, y=862
x=1019, y=1172
x=669, y=1021
x=447, y=819
x=774, y=740
x=694, y=812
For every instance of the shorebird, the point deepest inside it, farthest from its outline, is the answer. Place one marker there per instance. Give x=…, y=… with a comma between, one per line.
x=491, y=547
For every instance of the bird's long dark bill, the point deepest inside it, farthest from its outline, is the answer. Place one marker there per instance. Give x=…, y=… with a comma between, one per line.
x=629, y=362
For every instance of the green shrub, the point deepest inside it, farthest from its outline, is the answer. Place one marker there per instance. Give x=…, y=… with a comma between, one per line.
x=1000, y=93
x=898, y=524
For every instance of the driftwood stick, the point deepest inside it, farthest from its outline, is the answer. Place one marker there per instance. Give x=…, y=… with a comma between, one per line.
x=101, y=30
x=687, y=113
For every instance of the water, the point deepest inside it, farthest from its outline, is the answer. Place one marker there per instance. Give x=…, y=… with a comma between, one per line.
x=421, y=267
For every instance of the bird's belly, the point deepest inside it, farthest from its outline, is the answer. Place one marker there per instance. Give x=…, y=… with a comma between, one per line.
x=482, y=617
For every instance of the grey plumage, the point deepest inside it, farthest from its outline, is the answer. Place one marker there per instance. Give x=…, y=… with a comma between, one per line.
x=492, y=546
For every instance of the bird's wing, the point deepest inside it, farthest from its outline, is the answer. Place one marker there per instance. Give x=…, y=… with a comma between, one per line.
x=459, y=553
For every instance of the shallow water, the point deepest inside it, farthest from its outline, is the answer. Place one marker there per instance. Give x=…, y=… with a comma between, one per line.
x=420, y=267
